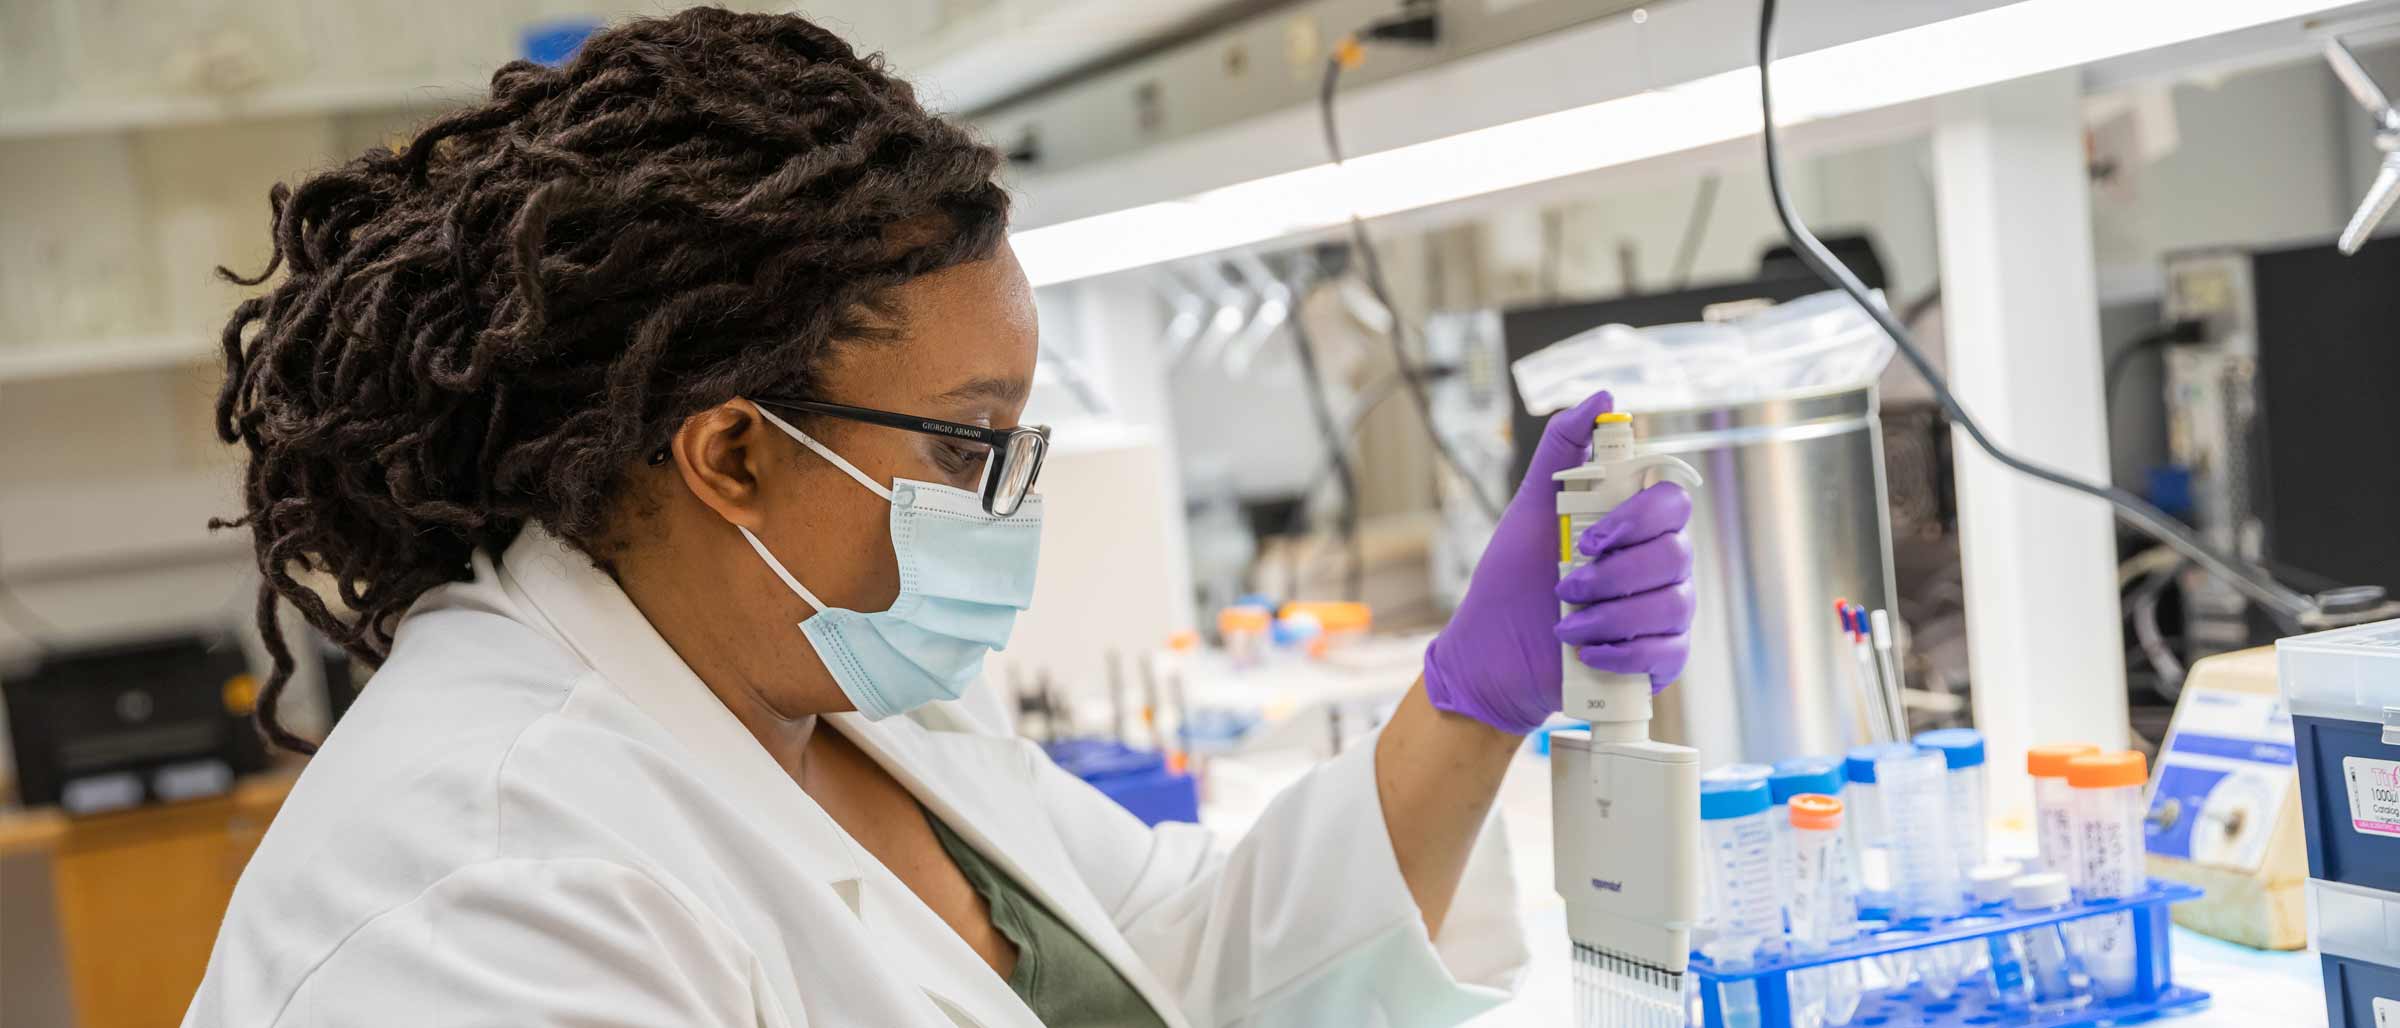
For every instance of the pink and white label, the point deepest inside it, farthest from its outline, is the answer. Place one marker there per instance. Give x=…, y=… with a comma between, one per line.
x=2374, y=795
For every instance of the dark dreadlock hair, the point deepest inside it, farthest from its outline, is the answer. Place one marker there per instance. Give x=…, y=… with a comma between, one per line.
x=496, y=324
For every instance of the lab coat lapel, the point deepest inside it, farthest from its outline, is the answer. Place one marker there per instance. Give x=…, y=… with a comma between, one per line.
x=587, y=611
x=932, y=774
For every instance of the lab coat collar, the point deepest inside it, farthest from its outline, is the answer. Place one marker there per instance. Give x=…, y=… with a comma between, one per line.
x=584, y=609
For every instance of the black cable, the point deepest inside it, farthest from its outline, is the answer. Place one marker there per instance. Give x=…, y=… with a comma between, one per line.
x=2286, y=604
x=1369, y=398
x=1336, y=446
x=1688, y=253
x=1372, y=271
x=2120, y=361
x=2163, y=662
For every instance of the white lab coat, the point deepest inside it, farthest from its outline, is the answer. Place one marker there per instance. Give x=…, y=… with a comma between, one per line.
x=536, y=815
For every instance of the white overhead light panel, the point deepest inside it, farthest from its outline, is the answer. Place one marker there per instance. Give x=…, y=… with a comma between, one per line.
x=1979, y=49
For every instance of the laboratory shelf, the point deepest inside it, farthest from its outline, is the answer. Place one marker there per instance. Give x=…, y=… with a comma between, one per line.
x=2154, y=995
x=32, y=362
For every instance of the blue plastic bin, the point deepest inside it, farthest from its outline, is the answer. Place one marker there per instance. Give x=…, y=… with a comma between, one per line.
x=1137, y=779
x=2343, y=691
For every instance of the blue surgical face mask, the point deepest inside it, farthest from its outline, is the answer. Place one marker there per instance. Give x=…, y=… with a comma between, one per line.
x=964, y=575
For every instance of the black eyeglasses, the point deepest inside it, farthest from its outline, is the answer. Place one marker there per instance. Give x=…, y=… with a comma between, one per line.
x=1014, y=454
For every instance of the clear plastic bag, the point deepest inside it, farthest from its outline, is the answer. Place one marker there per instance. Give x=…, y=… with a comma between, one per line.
x=1815, y=342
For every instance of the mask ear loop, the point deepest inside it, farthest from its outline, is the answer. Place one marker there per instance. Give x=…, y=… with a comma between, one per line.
x=831, y=457
x=777, y=567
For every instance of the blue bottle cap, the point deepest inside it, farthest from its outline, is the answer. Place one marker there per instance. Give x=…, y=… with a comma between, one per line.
x=1860, y=762
x=1726, y=798
x=1959, y=747
x=1802, y=775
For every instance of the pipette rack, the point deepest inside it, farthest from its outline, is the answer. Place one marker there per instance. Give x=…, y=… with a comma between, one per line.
x=2154, y=994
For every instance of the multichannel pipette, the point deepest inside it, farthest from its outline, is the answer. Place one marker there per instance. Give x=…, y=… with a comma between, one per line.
x=1627, y=809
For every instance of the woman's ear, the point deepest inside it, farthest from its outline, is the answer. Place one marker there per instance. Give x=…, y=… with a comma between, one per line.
x=719, y=453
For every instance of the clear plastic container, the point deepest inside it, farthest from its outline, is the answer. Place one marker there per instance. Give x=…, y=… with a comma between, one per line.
x=1915, y=788
x=2054, y=803
x=1914, y=785
x=2047, y=978
x=1820, y=342
x=1738, y=773
x=1744, y=917
x=1823, y=910
x=2108, y=858
x=1870, y=831
x=1820, y=776
x=1962, y=754
x=1987, y=887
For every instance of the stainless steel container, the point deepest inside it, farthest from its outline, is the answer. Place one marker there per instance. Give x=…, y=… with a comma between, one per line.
x=1792, y=516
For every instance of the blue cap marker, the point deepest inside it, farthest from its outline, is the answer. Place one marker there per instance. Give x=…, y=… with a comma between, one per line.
x=1803, y=775
x=1726, y=798
x=1860, y=763
x=1960, y=747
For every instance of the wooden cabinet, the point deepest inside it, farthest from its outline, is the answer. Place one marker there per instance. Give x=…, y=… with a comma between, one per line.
x=138, y=896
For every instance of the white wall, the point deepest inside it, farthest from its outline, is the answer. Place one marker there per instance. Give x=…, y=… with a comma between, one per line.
x=2257, y=157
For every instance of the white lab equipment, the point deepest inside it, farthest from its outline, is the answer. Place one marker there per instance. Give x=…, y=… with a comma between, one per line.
x=1962, y=755
x=1823, y=910
x=2054, y=803
x=1743, y=914
x=1630, y=908
x=2052, y=981
x=1914, y=786
x=2109, y=858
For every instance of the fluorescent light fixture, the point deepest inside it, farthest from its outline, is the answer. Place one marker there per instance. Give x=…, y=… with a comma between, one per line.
x=1979, y=49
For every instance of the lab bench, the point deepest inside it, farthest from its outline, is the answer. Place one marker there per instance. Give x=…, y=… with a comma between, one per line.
x=133, y=901
x=2249, y=987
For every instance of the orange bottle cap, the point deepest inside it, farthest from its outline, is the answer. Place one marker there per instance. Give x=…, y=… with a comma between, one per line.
x=2108, y=770
x=1232, y=620
x=1810, y=810
x=2051, y=761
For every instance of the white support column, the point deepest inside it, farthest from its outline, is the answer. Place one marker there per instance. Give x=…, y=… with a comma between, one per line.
x=2022, y=320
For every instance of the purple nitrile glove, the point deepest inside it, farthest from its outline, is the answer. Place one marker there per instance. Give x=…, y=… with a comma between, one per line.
x=1499, y=659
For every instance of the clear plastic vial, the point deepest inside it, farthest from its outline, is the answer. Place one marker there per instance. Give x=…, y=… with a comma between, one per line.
x=1988, y=887
x=2108, y=858
x=1823, y=911
x=1915, y=788
x=2052, y=981
x=2054, y=803
x=1870, y=830
x=1962, y=754
x=1821, y=776
x=1744, y=914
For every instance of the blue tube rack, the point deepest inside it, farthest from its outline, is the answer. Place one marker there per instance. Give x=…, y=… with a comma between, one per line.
x=2154, y=994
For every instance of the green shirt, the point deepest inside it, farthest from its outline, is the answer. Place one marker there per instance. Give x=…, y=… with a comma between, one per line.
x=1066, y=982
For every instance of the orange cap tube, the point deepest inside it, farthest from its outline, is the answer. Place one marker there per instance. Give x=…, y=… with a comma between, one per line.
x=1810, y=810
x=2051, y=761
x=2108, y=770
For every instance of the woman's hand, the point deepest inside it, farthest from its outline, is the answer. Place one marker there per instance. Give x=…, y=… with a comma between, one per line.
x=1499, y=659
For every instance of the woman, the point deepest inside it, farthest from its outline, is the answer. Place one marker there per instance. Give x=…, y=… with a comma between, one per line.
x=655, y=426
